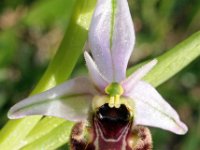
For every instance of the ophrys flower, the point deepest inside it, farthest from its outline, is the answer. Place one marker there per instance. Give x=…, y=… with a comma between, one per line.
x=112, y=104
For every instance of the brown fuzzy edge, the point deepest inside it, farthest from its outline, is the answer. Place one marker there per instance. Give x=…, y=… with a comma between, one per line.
x=77, y=137
x=143, y=138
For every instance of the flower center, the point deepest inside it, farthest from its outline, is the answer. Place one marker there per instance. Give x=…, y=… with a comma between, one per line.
x=114, y=90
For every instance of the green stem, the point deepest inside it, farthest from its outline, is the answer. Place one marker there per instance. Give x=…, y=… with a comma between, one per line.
x=14, y=132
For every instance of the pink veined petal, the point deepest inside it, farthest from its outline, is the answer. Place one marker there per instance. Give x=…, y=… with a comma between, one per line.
x=94, y=73
x=111, y=38
x=128, y=83
x=70, y=100
x=152, y=110
x=123, y=39
x=99, y=38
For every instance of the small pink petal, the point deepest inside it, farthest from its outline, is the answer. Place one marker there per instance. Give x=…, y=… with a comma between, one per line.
x=70, y=100
x=94, y=73
x=111, y=38
x=129, y=83
x=152, y=110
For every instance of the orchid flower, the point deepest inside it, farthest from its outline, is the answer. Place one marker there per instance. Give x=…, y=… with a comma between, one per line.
x=111, y=102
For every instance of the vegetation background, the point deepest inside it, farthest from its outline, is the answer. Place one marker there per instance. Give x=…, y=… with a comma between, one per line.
x=31, y=31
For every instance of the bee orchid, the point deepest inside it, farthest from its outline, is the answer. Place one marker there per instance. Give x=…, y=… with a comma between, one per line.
x=114, y=106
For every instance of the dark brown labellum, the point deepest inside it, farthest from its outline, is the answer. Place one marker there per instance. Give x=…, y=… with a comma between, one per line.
x=111, y=129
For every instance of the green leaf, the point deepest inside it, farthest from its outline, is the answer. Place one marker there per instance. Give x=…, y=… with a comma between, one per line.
x=57, y=137
x=42, y=128
x=173, y=61
x=14, y=132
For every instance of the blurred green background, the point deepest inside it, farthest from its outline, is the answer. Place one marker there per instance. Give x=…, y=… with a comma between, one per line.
x=31, y=30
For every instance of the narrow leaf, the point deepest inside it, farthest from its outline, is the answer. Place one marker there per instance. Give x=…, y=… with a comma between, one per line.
x=46, y=125
x=57, y=137
x=173, y=61
x=59, y=70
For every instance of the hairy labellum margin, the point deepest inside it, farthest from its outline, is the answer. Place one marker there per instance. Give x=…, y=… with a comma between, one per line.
x=111, y=129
